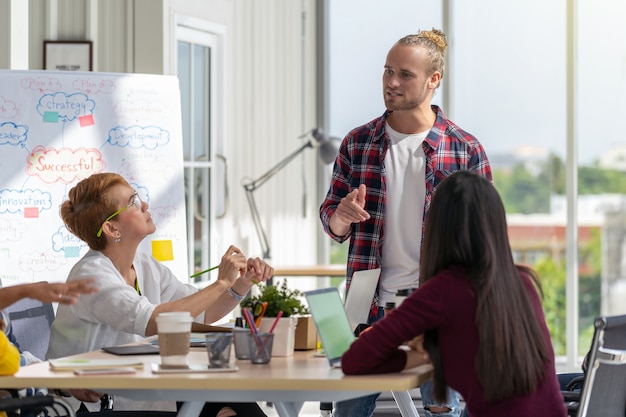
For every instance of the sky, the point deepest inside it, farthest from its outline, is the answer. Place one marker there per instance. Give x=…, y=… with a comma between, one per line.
x=507, y=71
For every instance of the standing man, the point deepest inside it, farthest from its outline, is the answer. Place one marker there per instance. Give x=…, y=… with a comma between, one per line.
x=384, y=178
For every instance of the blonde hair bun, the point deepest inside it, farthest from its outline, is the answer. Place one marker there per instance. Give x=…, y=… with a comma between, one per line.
x=437, y=37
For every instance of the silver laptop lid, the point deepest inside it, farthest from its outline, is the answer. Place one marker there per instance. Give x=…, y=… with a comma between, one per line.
x=359, y=299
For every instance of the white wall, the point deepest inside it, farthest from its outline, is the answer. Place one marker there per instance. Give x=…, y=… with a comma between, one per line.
x=270, y=93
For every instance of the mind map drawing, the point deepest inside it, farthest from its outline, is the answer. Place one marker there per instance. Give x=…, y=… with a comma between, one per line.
x=57, y=128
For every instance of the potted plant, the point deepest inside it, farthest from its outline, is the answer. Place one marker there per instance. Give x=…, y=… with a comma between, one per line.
x=294, y=328
x=278, y=298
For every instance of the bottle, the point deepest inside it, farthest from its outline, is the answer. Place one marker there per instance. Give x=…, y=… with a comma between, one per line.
x=326, y=409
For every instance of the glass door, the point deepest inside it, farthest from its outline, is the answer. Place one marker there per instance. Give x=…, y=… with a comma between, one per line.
x=206, y=192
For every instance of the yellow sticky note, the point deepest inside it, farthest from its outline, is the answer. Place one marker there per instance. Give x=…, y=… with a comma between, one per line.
x=162, y=250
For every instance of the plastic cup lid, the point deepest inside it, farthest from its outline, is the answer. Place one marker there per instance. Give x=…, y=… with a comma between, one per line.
x=174, y=316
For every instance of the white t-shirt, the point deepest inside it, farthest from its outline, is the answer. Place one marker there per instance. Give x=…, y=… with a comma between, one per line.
x=405, y=167
x=116, y=314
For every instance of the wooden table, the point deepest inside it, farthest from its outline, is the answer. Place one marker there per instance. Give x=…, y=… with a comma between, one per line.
x=328, y=270
x=287, y=382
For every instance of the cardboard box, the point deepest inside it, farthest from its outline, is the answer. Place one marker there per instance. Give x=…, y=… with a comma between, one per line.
x=306, y=334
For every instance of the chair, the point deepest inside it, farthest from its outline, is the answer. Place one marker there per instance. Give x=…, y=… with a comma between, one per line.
x=604, y=387
x=41, y=405
x=31, y=320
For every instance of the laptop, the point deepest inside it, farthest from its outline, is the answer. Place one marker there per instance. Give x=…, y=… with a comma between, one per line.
x=331, y=321
x=359, y=299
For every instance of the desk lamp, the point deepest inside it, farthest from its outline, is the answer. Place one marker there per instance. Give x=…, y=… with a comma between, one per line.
x=327, y=148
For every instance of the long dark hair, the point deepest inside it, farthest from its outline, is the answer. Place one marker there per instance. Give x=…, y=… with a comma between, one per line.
x=466, y=226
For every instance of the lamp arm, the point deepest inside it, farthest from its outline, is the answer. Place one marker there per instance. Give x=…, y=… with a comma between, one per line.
x=254, y=184
x=251, y=186
x=256, y=219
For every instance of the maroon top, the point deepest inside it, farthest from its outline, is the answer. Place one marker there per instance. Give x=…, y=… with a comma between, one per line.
x=447, y=303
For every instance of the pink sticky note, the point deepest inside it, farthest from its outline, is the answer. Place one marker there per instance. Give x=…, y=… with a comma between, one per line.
x=86, y=120
x=31, y=212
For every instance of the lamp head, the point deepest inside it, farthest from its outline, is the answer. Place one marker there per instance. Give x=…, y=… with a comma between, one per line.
x=328, y=145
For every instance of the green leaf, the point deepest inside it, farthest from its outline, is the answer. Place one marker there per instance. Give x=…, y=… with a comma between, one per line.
x=279, y=298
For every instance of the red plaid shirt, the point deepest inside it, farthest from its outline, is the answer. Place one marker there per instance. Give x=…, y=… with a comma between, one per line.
x=361, y=161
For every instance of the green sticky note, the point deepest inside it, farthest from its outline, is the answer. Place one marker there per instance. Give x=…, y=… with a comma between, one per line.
x=51, y=116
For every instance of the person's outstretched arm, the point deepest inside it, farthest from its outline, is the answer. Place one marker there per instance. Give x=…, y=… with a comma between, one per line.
x=64, y=293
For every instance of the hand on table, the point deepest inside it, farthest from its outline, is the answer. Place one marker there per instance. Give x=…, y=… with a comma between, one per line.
x=417, y=355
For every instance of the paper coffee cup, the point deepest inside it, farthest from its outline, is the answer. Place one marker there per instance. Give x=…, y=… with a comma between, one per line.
x=174, y=329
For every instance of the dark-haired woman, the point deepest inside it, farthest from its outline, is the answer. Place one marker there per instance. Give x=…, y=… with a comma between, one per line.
x=480, y=314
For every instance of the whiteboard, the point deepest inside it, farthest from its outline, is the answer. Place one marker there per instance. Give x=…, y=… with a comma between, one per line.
x=57, y=128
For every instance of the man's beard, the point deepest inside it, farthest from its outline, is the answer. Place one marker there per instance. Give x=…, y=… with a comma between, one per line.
x=395, y=106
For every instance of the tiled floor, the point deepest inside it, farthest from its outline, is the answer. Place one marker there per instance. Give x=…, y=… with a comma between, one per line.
x=385, y=407
x=309, y=409
x=312, y=409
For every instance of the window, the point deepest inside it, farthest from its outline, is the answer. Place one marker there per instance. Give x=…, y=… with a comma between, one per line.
x=507, y=85
x=199, y=72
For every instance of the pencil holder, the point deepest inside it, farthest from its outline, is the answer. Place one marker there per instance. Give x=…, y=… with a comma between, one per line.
x=218, y=345
x=260, y=346
x=240, y=340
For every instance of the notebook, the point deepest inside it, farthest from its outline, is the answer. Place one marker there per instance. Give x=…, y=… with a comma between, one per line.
x=359, y=298
x=195, y=339
x=331, y=321
x=74, y=364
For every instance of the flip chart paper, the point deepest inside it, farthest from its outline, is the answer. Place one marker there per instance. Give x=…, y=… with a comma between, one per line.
x=59, y=127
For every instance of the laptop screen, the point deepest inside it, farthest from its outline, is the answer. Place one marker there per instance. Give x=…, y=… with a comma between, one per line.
x=331, y=321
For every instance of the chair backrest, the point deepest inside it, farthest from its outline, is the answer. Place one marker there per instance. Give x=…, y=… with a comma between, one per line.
x=604, y=389
x=31, y=320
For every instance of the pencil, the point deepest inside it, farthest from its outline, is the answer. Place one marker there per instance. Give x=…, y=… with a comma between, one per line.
x=278, y=316
x=204, y=272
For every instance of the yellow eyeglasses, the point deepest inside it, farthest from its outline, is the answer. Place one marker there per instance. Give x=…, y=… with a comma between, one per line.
x=134, y=201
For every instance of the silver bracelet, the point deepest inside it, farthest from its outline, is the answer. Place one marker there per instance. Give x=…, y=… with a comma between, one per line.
x=237, y=297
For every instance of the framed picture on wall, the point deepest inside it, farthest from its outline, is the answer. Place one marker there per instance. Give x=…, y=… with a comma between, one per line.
x=67, y=55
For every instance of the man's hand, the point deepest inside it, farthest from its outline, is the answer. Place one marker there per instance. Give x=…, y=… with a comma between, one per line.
x=351, y=209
